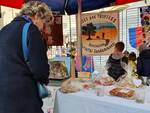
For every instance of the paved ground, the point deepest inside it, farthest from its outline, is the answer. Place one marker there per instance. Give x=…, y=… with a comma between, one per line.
x=49, y=101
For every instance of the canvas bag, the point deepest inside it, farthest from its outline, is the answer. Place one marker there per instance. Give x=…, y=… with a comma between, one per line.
x=42, y=90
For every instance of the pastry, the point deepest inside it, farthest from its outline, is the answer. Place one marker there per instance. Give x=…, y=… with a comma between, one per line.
x=106, y=81
x=122, y=92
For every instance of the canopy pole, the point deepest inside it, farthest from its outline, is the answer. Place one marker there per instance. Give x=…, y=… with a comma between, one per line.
x=79, y=42
x=70, y=40
x=79, y=39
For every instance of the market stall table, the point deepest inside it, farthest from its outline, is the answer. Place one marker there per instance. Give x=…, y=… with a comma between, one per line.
x=88, y=102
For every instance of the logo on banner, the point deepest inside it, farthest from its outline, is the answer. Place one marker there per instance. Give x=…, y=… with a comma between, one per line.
x=99, y=33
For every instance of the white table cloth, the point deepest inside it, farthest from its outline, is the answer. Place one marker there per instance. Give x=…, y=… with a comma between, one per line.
x=85, y=102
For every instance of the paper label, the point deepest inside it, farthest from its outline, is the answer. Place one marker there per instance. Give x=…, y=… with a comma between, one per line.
x=124, y=90
x=137, y=82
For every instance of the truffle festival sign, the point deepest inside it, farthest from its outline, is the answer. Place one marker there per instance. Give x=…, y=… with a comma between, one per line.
x=99, y=32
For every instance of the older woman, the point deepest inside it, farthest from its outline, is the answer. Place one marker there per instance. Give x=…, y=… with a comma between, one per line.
x=18, y=88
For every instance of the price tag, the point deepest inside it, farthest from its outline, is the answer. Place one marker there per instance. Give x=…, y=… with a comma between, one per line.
x=124, y=90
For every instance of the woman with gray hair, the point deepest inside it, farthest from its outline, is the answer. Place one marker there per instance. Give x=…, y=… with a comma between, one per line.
x=18, y=81
x=38, y=12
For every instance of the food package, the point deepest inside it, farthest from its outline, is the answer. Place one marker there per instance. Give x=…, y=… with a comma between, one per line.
x=84, y=83
x=122, y=92
x=87, y=85
x=105, y=80
x=84, y=74
x=129, y=82
x=67, y=87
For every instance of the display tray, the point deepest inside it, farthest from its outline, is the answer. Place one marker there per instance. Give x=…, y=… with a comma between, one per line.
x=123, y=93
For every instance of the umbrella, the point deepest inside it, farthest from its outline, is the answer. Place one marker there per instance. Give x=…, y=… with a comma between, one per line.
x=12, y=3
x=119, y=2
x=69, y=6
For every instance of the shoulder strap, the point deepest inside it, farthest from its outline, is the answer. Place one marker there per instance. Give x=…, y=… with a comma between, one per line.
x=24, y=41
x=43, y=92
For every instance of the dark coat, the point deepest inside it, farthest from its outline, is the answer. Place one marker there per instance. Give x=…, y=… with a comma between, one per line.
x=143, y=63
x=18, y=88
x=116, y=70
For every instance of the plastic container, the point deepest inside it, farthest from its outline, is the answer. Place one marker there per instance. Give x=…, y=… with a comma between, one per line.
x=140, y=95
x=100, y=90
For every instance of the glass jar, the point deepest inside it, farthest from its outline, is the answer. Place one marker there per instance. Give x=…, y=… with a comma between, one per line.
x=140, y=95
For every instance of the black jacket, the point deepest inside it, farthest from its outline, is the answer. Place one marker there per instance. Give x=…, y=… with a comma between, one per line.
x=18, y=88
x=143, y=63
x=116, y=70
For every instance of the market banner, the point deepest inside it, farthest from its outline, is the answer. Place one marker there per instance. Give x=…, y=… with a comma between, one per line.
x=135, y=37
x=139, y=36
x=100, y=32
x=54, y=33
x=145, y=21
x=57, y=31
x=87, y=63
